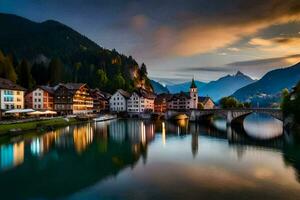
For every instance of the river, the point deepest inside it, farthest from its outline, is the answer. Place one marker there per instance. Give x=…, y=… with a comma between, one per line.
x=135, y=159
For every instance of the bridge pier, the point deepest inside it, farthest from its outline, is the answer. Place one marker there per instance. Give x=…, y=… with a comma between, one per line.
x=229, y=118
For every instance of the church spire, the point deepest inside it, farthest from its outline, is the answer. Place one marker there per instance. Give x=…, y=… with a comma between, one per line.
x=193, y=85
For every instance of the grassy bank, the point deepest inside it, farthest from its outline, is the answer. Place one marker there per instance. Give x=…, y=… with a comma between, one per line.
x=36, y=125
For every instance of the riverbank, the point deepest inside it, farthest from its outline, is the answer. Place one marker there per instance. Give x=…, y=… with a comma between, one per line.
x=39, y=125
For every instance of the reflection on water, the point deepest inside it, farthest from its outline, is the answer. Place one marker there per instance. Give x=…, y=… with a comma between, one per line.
x=83, y=136
x=148, y=160
x=257, y=126
x=262, y=126
x=11, y=155
x=220, y=124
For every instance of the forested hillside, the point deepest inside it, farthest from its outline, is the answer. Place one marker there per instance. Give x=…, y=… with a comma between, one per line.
x=50, y=52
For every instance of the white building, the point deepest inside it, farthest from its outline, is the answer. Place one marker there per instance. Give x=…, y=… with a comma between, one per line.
x=118, y=101
x=41, y=98
x=141, y=101
x=11, y=95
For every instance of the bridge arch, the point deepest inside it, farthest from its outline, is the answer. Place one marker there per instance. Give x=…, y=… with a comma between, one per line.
x=231, y=115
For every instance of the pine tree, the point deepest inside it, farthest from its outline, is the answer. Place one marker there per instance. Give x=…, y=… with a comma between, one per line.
x=143, y=71
x=24, y=75
x=102, y=79
x=56, y=71
x=7, y=69
x=118, y=82
x=39, y=73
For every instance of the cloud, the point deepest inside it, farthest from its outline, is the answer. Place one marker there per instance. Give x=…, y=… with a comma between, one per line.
x=198, y=27
x=208, y=69
x=139, y=22
x=262, y=66
x=270, y=61
x=277, y=45
x=275, y=41
x=169, y=81
x=235, y=49
x=260, y=42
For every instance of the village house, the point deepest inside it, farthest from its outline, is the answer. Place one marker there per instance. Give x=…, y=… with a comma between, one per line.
x=205, y=103
x=160, y=102
x=141, y=101
x=118, y=101
x=41, y=98
x=11, y=95
x=100, y=100
x=179, y=101
x=73, y=98
x=184, y=100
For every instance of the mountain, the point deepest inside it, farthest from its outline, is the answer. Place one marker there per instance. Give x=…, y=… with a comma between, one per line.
x=158, y=88
x=222, y=87
x=81, y=58
x=184, y=86
x=225, y=86
x=28, y=39
x=268, y=89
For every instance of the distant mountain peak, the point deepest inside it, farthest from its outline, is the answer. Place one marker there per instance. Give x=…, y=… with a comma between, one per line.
x=239, y=73
x=265, y=91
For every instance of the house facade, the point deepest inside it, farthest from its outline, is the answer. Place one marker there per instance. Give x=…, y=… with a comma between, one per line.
x=118, y=101
x=141, y=101
x=160, y=103
x=73, y=98
x=205, y=103
x=100, y=100
x=179, y=101
x=41, y=98
x=11, y=95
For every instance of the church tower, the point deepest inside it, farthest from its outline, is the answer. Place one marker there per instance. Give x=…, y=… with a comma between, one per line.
x=193, y=95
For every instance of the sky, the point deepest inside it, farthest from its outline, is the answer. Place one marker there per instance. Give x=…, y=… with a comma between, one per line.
x=182, y=39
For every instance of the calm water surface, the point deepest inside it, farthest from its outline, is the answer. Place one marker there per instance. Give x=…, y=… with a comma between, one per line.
x=133, y=159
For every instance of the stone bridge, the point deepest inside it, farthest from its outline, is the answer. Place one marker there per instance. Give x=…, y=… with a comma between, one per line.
x=229, y=114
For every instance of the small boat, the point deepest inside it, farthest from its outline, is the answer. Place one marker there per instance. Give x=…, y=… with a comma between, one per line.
x=105, y=118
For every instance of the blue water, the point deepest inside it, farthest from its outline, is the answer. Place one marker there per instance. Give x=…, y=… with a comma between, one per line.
x=133, y=159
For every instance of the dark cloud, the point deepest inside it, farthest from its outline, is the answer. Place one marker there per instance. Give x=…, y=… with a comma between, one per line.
x=257, y=68
x=271, y=62
x=207, y=69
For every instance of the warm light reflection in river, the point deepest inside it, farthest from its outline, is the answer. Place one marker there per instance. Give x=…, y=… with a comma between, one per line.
x=133, y=159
